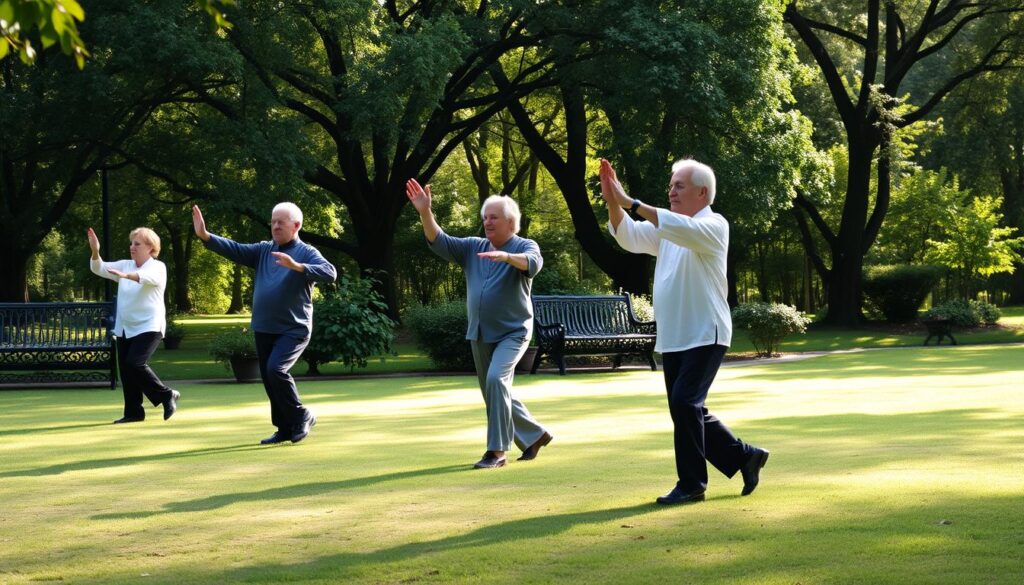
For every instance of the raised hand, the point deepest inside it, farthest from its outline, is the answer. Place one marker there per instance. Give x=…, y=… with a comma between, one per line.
x=287, y=261
x=94, y=243
x=418, y=196
x=611, y=189
x=199, y=224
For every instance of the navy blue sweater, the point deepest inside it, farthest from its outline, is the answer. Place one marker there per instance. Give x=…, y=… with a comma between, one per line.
x=282, y=301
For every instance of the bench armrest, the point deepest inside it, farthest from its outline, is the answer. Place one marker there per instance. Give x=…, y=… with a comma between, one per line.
x=549, y=335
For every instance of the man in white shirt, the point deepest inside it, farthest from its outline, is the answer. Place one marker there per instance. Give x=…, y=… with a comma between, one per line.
x=694, y=322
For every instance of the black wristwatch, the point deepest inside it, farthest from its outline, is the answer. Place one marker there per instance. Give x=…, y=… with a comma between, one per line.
x=635, y=206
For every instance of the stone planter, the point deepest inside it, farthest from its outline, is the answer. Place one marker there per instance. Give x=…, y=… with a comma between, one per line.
x=246, y=369
x=526, y=362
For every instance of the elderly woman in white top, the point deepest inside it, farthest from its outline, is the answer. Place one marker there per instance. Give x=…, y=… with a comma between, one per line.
x=140, y=322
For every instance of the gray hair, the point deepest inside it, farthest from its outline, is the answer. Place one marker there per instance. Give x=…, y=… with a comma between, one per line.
x=701, y=175
x=293, y=211
x=509, y=209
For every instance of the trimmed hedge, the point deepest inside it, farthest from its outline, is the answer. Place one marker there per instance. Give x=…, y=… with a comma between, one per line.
x=440, y=330
x=899, y=290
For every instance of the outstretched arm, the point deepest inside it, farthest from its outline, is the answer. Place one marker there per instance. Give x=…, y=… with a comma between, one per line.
x=421, y=199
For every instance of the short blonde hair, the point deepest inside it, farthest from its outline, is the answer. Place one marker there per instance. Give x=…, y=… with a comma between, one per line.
x=509, y=209
x=148, y=237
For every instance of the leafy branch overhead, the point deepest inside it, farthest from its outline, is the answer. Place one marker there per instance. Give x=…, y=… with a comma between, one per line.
x=50, y=22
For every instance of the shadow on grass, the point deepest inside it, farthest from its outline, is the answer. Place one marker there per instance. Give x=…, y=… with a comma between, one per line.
x=526, y=528
x=29, y=431
x=284, y=492
x=60, y=468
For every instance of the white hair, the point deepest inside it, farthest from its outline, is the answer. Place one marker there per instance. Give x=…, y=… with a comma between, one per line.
x=509, y=209
x=293, y=211
x=701, y=175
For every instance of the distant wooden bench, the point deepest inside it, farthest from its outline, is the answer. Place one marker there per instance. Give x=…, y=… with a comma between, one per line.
x=939, y=328
x=48, y=343
x=590, y=325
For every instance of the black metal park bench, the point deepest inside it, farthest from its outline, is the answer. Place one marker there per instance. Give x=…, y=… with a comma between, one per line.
x=939, y=328
x=590, y=325
x=48, y=343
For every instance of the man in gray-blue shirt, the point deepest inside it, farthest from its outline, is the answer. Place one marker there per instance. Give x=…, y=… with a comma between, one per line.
x=499, y=273
x=282, y=309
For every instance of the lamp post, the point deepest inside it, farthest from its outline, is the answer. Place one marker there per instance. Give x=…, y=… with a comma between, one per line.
x=106, y=227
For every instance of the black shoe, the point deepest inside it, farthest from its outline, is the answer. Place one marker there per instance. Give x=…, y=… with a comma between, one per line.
x=171, y=404
x=277, y=437
x=490, y=461
x=302, y=429
x=751, y=470
x=531, y=452
x=128, y=419
x=678, y=496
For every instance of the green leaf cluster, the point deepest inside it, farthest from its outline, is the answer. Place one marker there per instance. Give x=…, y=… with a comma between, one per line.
x=55, y=20
x=974, y=243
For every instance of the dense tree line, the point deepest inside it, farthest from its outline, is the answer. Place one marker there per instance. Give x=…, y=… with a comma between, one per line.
x=819, y=118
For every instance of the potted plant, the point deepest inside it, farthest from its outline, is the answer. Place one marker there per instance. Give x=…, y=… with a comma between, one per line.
x=236, y=349
x=525, y=363
x=174, y=332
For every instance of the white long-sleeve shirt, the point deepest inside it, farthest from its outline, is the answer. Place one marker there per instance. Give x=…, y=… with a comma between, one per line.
x=690, y=286
x=140, y=305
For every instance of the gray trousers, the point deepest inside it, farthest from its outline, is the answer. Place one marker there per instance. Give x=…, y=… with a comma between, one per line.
x=508, y=419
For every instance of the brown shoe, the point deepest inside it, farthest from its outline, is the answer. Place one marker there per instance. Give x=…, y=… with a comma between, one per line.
x=531, y=452
x=491, y=461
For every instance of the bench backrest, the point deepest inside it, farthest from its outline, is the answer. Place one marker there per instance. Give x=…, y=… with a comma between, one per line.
x=585, y=315
x=55, y=325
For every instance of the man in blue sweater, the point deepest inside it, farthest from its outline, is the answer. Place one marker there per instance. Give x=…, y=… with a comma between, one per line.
x=282, y=309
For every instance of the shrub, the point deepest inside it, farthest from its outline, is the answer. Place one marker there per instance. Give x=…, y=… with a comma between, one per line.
x=174, y=330
x=234, y=343
x=899, y=290
x=989, y=313
x=440, y=330
x=643, y=309
x=350, y=324
x=767, y=324
x=964, y=314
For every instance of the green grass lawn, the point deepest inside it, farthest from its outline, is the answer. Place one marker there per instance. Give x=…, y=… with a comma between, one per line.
x=900, y=466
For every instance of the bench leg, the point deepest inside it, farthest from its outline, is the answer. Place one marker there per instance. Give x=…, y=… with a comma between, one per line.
x=536, y=361
x=561, y=364
x=654, y=364
x=617, y=361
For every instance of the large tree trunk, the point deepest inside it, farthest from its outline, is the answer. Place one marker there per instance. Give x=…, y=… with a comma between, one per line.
x=630, y=272
x=14, y=267
x=844, y=291
x=237, y=304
